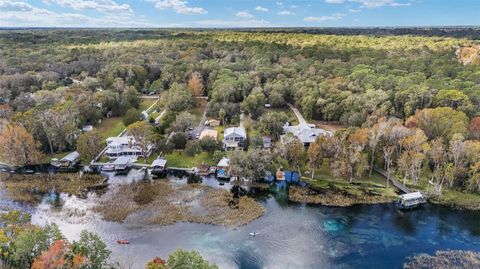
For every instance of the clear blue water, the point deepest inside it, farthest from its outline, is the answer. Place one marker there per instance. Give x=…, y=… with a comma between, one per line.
x=291, y=235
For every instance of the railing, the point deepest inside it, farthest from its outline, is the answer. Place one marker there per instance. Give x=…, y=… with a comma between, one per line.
x=392, y=179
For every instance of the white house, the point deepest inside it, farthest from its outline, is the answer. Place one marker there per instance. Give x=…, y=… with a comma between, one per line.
x=124, y=146
x=234, y=138
x=306, y=133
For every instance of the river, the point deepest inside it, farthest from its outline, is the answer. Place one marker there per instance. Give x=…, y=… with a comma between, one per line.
x=291, y=235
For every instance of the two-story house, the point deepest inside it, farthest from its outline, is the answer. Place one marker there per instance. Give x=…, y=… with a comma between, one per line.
x=234, y=138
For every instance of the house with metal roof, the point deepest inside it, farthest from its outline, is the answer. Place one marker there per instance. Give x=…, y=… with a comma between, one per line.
x=234, y=138
x=306, y=133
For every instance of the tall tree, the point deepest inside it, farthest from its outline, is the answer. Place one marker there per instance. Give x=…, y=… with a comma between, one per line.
x=17, y=146
x=89, y=145
x=195, y=84
x=143, y=134
x=314, y=156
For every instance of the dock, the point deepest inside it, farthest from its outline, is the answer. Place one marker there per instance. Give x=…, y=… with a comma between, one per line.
x=393, y=180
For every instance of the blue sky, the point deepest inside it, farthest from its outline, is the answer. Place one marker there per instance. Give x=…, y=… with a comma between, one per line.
x=237, y=13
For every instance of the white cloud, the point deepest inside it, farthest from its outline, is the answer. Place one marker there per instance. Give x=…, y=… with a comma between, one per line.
x=354, y=10
x=261, y=9
x=286, y=13
x=100, y=5
x=233, y=23
x=21, y=14
x=370, y=3
x=395, y=4
x=179, y=6
x=244, y=14
x=279, y=3
x=333, y=17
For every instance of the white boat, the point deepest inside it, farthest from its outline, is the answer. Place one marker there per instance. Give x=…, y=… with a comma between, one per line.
x=253, y=234
x=109, y=167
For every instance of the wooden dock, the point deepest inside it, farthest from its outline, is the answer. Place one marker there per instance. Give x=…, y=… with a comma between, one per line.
x=392, y=179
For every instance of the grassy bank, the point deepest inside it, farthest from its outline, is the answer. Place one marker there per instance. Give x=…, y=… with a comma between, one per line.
x=31, y=188
x=326, y=190
x=110, y=127
x=341, y=193
x=162, y=203
x=180, y=159
x=454, y=198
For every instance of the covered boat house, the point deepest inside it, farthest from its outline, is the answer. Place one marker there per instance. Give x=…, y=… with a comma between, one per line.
x=122, y=164
x=410, y=200
x=69, y=161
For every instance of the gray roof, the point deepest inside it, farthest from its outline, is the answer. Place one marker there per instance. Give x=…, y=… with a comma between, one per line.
x=305, y=133
x=71, y=157
x=411, y=196
x=123, y=160
x=159, y=162
x=240, y=131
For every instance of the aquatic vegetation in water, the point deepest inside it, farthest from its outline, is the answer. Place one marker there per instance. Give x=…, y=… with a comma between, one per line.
x=161, y=203
x=333, y=196
x=33, y=188
x=451, y=259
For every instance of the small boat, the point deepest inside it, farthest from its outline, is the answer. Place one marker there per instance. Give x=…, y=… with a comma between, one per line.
x=253, y=234
x=29, y=171
x=123, y=242
x=109, y=167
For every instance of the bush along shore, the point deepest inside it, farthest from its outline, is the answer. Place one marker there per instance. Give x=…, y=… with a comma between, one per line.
x=330, y=193
x=32, y=188
x=164, y=203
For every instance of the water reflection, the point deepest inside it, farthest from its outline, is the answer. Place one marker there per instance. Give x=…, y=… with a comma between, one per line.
x=290, y=235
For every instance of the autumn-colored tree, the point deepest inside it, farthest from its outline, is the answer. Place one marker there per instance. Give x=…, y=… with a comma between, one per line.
x=474, y=127
x=348, y=158
x=143, y=134
x=53, y=257
x=89, y=145
x=157, y=263
x=17, y=146
x=415, y=147
x=196, y=85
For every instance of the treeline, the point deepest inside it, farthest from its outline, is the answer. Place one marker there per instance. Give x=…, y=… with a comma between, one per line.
x=81, y=76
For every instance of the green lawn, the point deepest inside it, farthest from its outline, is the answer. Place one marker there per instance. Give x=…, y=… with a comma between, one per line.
x=110, y=127
x=47, y=157
x=180, y=159
x=323, y=179
x=455, y=198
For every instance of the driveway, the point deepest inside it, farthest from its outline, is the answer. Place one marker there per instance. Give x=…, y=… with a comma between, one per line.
x=301, y=120
x=201, y=125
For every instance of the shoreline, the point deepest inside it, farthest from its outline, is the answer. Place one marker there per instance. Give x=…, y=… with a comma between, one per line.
x=337, y=195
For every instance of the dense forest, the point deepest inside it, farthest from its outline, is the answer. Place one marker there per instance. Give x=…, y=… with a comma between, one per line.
x=54, y=81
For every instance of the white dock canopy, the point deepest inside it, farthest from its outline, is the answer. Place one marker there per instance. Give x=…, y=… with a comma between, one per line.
x=122, y=161
x=411, y=196
x=159, y=162
x=71, y=157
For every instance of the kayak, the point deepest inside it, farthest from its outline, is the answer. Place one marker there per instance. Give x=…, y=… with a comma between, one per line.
x=123, y=242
